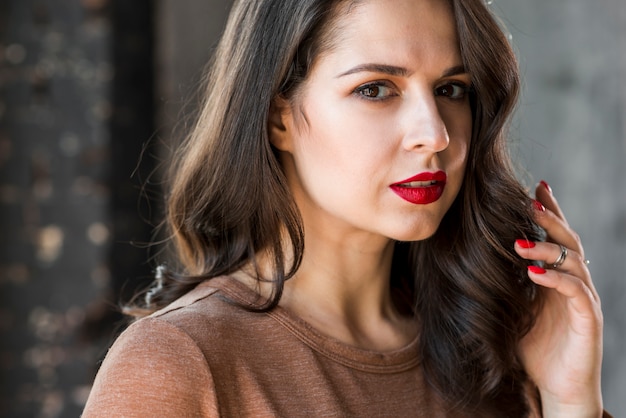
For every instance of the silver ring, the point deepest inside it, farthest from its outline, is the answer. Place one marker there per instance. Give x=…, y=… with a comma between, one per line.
x=559, y=261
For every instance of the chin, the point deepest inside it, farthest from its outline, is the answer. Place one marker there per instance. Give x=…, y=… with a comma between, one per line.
x=418, y=233
x=418, y=226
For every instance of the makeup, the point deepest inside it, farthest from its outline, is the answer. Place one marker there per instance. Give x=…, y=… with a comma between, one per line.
x=539, y=207
x=421, y=189
x=524, y=243
x=536, y=269
x=546, y=186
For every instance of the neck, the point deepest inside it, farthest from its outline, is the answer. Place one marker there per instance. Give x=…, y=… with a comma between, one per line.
x=342, y=289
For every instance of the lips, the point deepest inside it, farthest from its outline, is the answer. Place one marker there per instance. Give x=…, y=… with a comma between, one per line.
x=421, y=189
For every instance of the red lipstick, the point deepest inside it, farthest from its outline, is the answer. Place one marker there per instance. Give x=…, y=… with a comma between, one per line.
x=421, y=189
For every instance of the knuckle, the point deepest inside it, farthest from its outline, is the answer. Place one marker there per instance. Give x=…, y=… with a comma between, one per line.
x=583, y=288
x=577, y=257
x=579, y=245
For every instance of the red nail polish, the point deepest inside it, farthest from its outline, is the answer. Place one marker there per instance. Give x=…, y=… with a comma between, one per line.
x=546, y=186
x=536, y=270
x=524, y=243
x=538, y=206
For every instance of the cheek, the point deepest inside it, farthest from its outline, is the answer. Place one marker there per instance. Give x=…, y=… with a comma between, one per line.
x=460, y=131
x=322, y=155
x=339, y=138
x=460, y=152
x=455, y=158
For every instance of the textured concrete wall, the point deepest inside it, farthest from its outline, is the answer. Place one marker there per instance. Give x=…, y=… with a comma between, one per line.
x=571, y=131
x=188, y=31
x=75, y=111
x=55, y=73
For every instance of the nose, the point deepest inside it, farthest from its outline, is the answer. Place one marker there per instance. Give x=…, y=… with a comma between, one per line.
x=425, y=129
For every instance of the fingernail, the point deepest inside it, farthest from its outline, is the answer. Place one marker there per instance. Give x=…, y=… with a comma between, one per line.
x=536, y=270
x=524, y=243
x=538, y=206
x=546, y=186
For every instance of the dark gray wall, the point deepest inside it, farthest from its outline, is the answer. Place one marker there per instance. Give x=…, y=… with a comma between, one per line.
x=75, y=112
x=55, y=73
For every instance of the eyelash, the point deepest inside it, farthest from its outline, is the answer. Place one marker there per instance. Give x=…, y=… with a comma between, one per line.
x=376, y=86
x=465, y=89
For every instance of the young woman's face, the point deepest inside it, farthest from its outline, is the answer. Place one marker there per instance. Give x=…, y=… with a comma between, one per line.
x=377, y=139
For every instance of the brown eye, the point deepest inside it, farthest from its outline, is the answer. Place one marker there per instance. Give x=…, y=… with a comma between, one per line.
x=455, y=91
x=374, y=91
x=370, y=91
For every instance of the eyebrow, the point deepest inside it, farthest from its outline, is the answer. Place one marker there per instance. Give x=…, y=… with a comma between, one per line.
x=459, y=69
x=397, y=71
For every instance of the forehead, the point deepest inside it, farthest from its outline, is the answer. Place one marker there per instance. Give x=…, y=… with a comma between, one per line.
x=395, y=27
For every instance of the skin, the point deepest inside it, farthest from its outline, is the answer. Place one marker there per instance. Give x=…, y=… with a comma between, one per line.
x=350, y=133
x=563, y=352
x=341, y=151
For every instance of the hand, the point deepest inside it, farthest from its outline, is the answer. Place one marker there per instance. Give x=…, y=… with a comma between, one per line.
x=562, y=353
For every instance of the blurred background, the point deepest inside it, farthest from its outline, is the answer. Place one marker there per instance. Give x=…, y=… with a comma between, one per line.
x=93, y=94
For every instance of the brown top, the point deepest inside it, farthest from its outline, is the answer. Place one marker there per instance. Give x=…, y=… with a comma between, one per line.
x=205, y=357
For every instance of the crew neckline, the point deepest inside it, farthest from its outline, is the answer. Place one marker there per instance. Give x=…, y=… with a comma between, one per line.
x=371, y=361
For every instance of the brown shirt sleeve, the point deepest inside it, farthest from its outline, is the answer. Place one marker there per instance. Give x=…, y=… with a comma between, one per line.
x=153, y=370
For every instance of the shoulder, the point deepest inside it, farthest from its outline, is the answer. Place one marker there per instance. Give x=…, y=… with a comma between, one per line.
x=167, y=363
x=156, y=367
x=153, y=369
x=212, y=314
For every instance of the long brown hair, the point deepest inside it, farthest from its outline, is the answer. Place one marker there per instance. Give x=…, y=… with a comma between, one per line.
x=473, y=296
x=229, y=200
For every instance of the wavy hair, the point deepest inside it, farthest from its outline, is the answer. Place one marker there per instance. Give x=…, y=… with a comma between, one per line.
x=228, y=199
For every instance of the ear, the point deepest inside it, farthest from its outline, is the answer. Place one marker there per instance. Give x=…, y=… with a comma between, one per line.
x=280, y=124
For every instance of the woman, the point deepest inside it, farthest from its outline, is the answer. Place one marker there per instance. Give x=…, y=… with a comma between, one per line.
x=353, y=241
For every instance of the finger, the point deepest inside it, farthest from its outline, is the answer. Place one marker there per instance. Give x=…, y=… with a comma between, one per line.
x=578, y=294
x=547, y=253
x=544, y=194
x=557, y=228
